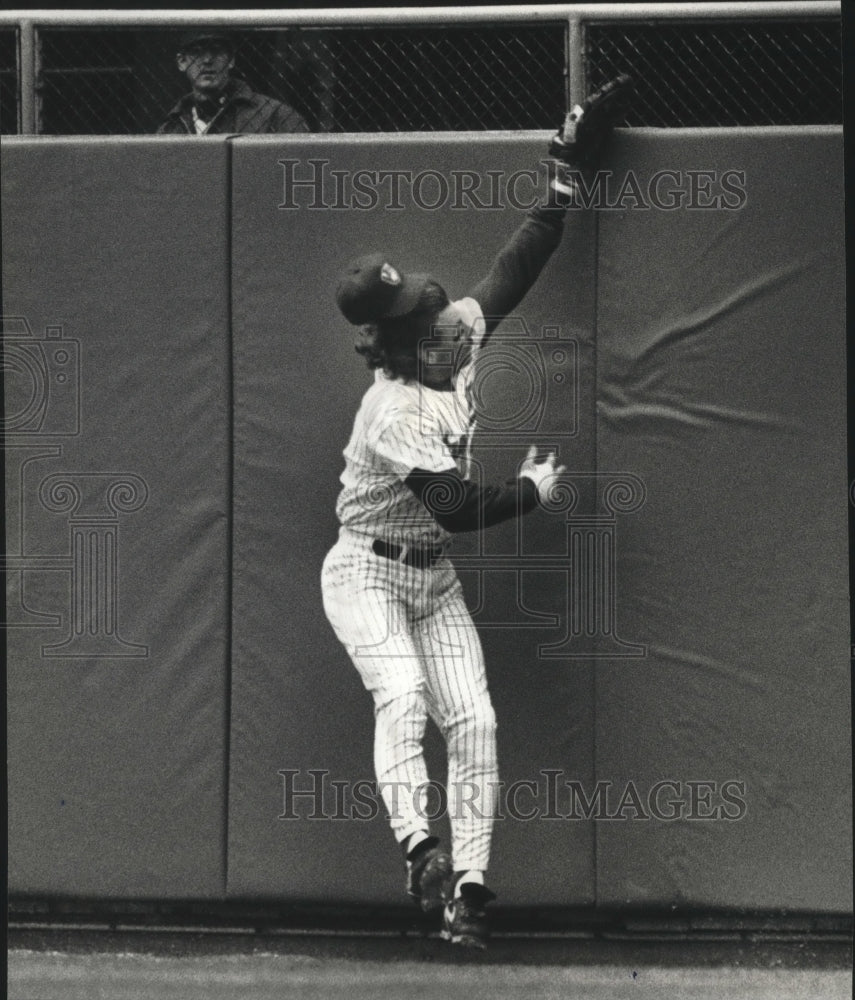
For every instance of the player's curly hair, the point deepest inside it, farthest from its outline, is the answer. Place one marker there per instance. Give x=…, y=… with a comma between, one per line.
x=392, y=344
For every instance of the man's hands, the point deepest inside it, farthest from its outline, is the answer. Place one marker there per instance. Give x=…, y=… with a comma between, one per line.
x=543, y=474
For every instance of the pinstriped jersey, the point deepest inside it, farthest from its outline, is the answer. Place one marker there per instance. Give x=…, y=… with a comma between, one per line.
x=401, y=426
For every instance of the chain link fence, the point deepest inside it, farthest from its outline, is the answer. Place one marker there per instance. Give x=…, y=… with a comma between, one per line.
x=443, y=77
x=720, y=74
x=340, y=80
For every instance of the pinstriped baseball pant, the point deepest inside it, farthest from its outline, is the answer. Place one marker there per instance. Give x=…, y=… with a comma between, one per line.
x=411, y=637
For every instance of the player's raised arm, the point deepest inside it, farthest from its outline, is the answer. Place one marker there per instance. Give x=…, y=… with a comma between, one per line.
x=575, y=147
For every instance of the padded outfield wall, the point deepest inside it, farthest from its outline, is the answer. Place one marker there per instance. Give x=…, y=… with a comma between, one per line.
x=179, y=387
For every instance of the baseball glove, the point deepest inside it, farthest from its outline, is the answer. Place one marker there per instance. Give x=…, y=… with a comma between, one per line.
x=586, y=127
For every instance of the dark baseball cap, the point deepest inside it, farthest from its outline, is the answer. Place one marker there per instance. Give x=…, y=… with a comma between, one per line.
x=373, y=288
x=202, y=35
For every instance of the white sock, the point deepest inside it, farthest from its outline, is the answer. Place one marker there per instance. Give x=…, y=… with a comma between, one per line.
x=414, y=840
x=473, y=875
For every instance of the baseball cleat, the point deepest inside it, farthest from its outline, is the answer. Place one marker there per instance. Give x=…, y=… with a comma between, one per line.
x=464, y=919
x=427, y=876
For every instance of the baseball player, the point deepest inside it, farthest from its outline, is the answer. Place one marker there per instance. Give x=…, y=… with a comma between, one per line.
x=390, y=591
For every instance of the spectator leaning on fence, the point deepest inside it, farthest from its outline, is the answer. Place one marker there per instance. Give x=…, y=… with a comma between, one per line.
x=218, y=103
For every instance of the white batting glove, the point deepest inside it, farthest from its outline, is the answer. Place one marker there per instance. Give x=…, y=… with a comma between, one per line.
x=544, y=474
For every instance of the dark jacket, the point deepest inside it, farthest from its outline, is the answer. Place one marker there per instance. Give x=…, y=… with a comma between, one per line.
x=241, y=111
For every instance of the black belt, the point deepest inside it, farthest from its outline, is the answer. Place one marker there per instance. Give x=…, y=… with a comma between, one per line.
x=420, y=558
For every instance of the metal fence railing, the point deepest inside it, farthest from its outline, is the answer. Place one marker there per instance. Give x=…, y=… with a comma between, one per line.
x=435, y=69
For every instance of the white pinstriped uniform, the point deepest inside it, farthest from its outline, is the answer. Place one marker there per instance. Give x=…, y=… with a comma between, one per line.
x=407, y=629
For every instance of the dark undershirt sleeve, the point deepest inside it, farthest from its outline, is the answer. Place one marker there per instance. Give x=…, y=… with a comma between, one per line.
x=458, y=505
x=519, y=263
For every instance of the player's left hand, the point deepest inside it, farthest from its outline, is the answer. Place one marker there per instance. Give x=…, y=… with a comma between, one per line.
x=543, y=474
